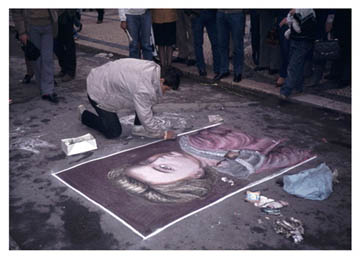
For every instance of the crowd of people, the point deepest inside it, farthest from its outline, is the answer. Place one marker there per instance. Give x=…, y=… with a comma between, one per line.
x=282, y=42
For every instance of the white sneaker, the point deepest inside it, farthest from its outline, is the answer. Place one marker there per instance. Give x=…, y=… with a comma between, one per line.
x=138, y=130
x=81, y=109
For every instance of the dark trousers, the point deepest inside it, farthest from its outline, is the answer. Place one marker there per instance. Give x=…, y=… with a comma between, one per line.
x=299, y=49
x=64, y=48
x=100, y=14
x=206, y=19
x=255, y=35
x=105, y=122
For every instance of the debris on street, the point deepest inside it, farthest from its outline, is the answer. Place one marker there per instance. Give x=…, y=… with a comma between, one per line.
x=290, y=228
x=312, y=184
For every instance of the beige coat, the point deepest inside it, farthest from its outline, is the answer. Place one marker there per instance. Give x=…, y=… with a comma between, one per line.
x=23, y=17
x=128, y=84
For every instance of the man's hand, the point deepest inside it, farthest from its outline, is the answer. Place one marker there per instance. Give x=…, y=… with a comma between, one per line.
x=328, y=27
x=170, y=135
x=283, y=22
x=24, y=38
x=123, y=25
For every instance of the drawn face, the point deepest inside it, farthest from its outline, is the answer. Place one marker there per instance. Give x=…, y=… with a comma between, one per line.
x=166, y=168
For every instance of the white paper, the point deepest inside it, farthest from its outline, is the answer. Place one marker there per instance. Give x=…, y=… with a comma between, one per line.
x=77, y=145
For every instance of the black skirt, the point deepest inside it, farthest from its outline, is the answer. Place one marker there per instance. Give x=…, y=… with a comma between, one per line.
x=165, y=33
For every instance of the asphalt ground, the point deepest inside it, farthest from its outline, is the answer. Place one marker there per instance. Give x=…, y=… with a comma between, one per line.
x=46, y=215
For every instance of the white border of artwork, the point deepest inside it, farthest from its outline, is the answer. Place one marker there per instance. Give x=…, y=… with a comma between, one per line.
x=187, y=215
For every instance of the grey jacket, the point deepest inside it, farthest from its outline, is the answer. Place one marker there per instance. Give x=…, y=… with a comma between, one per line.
x=128, y=84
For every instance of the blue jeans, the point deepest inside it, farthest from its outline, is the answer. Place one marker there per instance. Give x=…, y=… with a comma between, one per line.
x=299, y=49
x=233, y=23
x=42, y=37
x=207, y=19
x=139, y=27
x=284, y=50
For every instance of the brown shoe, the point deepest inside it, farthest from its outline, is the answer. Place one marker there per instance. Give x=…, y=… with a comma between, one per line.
x=280, y=82
x=67, y=78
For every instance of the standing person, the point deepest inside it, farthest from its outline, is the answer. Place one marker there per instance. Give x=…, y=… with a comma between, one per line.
x=184, y=38
x=40, y=26
x=284, y=45
x=302, y=35
x=255, y=35
x=269, y=51
x=138, y=23
x=127, y=83
x=230, y=21
x=341, y=69
x=64, y=46
x=205, y=19
x=100, y=16
x=164, y=24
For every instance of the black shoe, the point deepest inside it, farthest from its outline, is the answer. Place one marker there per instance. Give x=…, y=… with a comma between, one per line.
x=237, y=78
x=99, y=21
x=221, y=75
x=27, y=79
x=273, y=71
x=190, y=62
x=202, y=73
x=216, y=74
x=179, y=59
x=51, y=98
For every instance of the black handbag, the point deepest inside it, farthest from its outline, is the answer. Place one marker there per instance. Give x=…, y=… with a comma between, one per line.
x=31, y=51
x=326, y=50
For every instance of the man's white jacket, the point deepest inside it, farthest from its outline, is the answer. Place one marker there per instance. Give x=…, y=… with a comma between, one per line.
x=128, y=84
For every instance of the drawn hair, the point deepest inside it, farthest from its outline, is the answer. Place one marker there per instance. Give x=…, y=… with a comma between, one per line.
x=177, y=192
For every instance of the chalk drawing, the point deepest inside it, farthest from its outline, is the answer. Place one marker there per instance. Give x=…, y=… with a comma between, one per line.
x=166, y=120
x=31, y=144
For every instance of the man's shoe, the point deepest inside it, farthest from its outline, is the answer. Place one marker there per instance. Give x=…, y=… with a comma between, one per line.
x=202, y=73
x=67, y=78
x=81, y=109
x=27, y=79
x=99, y=21
x=237, y=78
x=221, y=76
x=138, y=130
x=51, y=98
x=190, y=62
x=60, y=75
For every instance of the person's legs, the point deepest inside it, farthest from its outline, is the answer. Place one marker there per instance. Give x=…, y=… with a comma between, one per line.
x=70, y=49
x=255, y=35
x=35, y=37
x=295, y=74
x=145, y=32
x=133, y=26
x=105, y=122
x=223, y=40
x=237, y=31
x=211, y=29
x=198, y=35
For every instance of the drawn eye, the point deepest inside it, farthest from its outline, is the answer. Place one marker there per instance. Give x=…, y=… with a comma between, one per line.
x=165, y=167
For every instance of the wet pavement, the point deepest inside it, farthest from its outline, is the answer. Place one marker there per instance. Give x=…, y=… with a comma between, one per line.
x=45, y=214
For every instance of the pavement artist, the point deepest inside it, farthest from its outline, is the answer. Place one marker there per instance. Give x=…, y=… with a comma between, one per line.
x=127, y=84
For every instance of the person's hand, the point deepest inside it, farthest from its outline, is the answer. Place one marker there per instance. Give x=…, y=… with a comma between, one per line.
x=283, y=22
x=123, y=25
x=24, y=38
x=328, y=27
x=292, y=11
x=170, y=135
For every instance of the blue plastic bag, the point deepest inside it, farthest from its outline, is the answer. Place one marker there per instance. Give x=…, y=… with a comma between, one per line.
x=313, y=184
